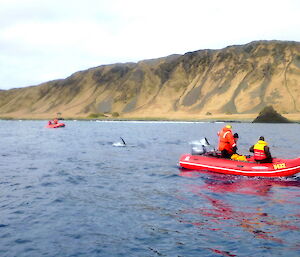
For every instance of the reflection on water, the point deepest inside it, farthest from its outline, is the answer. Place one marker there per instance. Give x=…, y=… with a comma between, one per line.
x=221, y=207
x=71, y=192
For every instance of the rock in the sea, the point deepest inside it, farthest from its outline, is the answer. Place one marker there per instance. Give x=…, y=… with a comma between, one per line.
x=269, y=115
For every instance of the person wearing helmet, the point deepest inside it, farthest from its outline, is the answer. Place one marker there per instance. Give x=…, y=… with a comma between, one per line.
x=261, y=151
x=235, y=155
x=227, y=142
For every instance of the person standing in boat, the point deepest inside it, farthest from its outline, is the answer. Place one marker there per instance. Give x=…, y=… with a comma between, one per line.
x=227, y=142
x=261, y=151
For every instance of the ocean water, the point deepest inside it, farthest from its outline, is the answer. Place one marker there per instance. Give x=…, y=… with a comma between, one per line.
x=78, y=191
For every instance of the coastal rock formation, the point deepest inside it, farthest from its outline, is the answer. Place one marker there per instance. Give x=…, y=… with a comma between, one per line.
x=269, y=115
x=240, y=79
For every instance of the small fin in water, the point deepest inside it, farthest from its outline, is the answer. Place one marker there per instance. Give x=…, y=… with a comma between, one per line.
x=123, y=141
x=120, y=143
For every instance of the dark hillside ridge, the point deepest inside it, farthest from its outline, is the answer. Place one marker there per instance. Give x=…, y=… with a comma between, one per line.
x=269, y=115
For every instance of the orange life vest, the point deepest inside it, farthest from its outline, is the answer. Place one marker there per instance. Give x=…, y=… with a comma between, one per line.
x=226, y=140
x=259, y=150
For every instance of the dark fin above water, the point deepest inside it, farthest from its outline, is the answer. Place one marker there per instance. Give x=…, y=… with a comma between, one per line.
x=123, y=141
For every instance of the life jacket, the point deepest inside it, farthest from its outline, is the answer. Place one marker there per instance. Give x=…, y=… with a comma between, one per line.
x=259, y=151
x=226, y=140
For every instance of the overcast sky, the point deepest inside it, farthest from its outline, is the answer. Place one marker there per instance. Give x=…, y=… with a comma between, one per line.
x=42, y=40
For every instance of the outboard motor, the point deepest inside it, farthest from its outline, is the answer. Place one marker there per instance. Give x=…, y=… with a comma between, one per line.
x=201, y=147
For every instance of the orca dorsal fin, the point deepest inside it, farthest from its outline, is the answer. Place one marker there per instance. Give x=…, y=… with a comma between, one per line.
x=123, y=141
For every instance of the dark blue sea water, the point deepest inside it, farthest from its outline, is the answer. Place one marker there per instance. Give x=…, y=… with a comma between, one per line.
x=74, y=192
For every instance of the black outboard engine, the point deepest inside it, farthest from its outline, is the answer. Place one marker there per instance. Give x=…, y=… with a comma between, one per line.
x=201, y=147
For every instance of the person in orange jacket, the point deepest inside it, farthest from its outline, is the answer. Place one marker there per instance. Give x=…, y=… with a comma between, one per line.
x=261, y=151
x=227, y=143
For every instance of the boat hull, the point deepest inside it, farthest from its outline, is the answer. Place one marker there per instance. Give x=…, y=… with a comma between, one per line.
x=278, y=168
x=57, y=125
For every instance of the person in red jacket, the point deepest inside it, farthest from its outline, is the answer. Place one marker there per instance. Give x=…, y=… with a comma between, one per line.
x=227, y=143
x=261, y=151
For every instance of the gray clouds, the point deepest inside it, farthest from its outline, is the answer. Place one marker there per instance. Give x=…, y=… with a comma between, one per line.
x=42, y=40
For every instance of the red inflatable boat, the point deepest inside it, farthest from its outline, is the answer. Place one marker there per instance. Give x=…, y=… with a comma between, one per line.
x=57, y=125
x=278, y=168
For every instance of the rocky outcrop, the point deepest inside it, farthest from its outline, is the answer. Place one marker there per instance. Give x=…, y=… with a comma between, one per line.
x=235, y=80
x=269, y=115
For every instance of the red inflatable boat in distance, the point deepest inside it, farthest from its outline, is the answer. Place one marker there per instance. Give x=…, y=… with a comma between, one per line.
x=278, y=168
x=57, y=125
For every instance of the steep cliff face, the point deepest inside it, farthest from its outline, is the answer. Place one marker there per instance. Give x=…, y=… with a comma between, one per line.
x=234, y=80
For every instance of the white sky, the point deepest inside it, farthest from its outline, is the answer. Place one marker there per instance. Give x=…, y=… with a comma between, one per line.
x=42, y=40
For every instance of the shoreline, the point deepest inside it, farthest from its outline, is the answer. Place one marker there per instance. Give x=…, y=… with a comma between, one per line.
x=221, y=119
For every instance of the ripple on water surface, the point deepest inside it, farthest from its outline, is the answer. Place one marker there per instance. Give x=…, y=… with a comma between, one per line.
x=72, y=192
